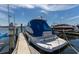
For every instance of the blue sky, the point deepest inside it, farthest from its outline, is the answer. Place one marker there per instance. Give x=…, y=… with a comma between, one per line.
x=53, y=13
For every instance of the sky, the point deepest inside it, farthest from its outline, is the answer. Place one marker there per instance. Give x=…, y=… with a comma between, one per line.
x=53, y=13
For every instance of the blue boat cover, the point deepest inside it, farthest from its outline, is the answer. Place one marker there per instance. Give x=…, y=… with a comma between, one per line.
x=39, y=26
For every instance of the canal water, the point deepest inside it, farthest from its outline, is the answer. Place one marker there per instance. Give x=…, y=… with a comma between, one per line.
x=4, y=40
x=68, y=50
x=4, y=44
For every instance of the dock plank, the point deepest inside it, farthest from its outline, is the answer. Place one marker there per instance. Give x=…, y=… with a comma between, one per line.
x=23, y=47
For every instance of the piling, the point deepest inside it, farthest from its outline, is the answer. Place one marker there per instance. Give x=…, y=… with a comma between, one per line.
x=11, y=37
x=21, y=27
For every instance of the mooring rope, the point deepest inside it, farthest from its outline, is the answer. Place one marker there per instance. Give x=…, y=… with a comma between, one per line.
x=70, y=44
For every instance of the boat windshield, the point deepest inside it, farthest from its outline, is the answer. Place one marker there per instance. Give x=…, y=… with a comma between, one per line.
x=39, y=26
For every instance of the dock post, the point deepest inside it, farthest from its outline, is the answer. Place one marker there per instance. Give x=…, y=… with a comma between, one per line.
x=16, y=33
x=21, y=27
x=11, y=37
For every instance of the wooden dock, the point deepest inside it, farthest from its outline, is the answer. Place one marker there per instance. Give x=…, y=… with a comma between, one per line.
x=22, y=46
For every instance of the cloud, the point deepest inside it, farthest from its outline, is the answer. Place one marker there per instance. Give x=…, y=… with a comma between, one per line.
x=25, y=5
x=44, y=12
x=3, y=16
x=3, y=19
x=72, y=20
x=56, y=7
x=49, y=7
x=74, y=17
x=4, y=11
x=45, y=8
x=4, y=7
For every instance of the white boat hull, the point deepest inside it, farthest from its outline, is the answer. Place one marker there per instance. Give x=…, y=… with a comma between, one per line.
x=51, y=46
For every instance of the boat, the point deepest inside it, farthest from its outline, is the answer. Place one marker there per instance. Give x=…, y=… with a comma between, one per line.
x=41, y=35
x=2, y=35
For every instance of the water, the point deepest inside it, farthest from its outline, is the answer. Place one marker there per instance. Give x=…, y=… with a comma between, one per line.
x=4, y=46
x=66, y=50
x=4, y=30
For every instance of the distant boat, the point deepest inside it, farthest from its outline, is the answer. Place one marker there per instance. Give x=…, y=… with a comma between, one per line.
x=2, y=35
x=42, y=36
